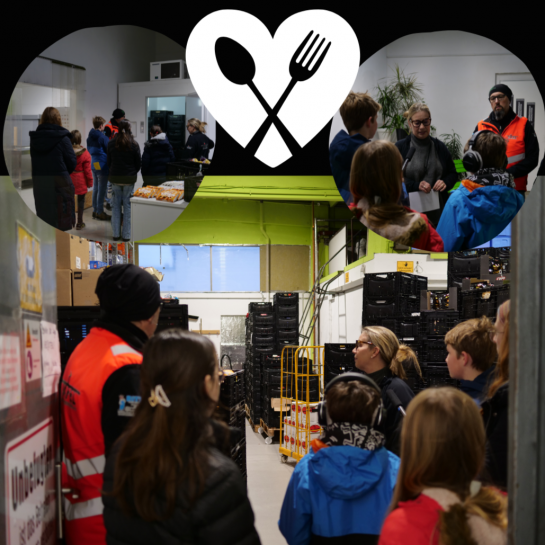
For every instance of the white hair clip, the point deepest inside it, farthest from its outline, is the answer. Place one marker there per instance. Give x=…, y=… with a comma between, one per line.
x=377, y=199
x=158, y=396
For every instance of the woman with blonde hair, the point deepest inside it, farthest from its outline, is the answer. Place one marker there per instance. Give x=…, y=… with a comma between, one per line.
x=436, y=499
x=53, y=160
x=379, y=354
x=198, y=144
x=496, y=406
x=431, y=167
x=376, y=185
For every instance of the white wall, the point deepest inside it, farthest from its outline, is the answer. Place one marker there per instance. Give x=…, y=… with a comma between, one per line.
x=456, y=70
x=110, y=55
x=340, y=315
x=209, y=307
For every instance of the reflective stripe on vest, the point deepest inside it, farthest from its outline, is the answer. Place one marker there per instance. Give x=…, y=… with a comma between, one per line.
x=513, y=134
x=84, y=468
x=83, y=509
x=119, y=349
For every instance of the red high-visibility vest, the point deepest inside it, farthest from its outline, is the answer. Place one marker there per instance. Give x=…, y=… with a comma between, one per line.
x=516, y=147
x=90, y=365
x=113, y=128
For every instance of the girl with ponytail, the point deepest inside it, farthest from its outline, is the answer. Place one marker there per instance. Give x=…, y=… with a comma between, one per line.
x=436, y=500
x=166, y=481
x=379, y=355
x=376, y=186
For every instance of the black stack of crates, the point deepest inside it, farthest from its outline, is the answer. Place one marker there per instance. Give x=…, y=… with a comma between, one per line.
x=483, y=301
x=231, y=410
x=176, y=133
x=260, y=341
x=338, y=359
x=286, y=308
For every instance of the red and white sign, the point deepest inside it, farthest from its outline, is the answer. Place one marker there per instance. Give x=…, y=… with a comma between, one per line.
x=10, y=371
x=33, y=349
x=51, y=358
x=30, y=487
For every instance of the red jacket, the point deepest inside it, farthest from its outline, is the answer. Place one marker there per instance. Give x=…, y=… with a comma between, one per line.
x=82, y=177
x=430, y=240
x=93, y=361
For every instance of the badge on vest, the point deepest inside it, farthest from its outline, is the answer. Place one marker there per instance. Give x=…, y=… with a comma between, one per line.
x=127, y=405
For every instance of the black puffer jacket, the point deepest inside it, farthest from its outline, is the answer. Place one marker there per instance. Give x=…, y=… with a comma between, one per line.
x=51, y=151
x=198, y=144
x=123, y=165
x=157, y=154
x=222, y=515
x=394, y=418
x=496, y=416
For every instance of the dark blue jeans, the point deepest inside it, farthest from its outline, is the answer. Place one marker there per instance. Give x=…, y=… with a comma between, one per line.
x=100, y=182
x=121, y=199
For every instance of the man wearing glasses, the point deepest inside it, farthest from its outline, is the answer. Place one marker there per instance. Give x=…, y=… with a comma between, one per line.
x=522, y=144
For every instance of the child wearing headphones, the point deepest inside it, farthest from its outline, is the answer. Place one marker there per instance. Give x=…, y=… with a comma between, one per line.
x=376, y=180
x=486, y=201
x=437, y=498
x=342, y=488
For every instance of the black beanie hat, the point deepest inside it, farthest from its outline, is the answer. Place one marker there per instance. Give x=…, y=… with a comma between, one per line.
x=118, y=112
x=128, y=292
x=501, y=88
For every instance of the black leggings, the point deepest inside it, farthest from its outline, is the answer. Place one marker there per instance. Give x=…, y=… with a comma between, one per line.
x=81, y=204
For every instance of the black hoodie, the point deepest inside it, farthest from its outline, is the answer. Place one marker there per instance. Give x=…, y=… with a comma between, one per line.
x=51, y=151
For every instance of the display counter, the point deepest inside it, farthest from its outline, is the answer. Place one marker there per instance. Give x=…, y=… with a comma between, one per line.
x=150, y=216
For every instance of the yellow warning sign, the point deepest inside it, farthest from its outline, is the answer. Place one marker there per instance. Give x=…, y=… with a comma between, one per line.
x=346, y=277
x=405, y=266
x=28, y=339
x=30, y=270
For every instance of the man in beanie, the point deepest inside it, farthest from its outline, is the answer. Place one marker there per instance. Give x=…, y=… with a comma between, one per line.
x=522, y=144
x=100, y=391
x=112, y=127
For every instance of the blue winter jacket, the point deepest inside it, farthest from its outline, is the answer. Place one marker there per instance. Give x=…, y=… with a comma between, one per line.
x=157, y=153
x=97, y=146
x=338, y=491
x=341, y=153
x=473, y=218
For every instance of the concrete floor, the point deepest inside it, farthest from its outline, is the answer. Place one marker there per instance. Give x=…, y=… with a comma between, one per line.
x=268, y=480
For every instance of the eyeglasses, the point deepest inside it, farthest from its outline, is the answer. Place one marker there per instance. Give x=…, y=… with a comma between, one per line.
x=221, y=375
x=359, y=343
x=424, y=122
x=497, y=97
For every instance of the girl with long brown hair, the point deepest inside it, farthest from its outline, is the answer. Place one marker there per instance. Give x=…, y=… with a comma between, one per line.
x=124, y=162
x=165, y=479
x=376, y=185
x=496, y=406
x=379, y=354
x=436, y=499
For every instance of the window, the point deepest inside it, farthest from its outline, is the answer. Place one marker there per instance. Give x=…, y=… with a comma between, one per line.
x=192, y=268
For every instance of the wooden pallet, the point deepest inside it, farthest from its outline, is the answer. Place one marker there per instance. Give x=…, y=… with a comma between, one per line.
x=268, y=431
x=247, y=411
x=254, y=427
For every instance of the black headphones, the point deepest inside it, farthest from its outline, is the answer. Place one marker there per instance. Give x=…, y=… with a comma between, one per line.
x=472, y=159
x=380, y=412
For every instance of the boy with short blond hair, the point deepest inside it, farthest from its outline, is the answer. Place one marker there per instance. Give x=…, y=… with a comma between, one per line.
x=471, y=355
x=359, y=113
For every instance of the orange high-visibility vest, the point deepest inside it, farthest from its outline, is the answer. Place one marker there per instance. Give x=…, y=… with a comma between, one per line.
x=113, y=128
x=90, y=365
x=516, y=147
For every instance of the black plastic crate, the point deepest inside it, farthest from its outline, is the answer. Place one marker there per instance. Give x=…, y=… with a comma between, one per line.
x=287, y=322
x=258, y=329
x=433, y=351
x=390, y=307
x=271, y=361
x=280, y=345
x=287, y=310
x=341, y=354
x=261, y=318
x=291, y=335
x=437, y=376
x=263, y=340
x=465, y=264
x=286, y=299
x=404, y=328
x=393, y=284
x=503, y=294
x=437, y=323
x=260, y=307
x=483, y=302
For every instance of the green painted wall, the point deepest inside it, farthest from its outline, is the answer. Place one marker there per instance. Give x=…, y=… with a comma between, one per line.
x=223, y=221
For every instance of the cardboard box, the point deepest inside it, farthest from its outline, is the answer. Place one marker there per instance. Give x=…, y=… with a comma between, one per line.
x=64, y=288
x=84, y=284
x=88, y=200
x=72, y=252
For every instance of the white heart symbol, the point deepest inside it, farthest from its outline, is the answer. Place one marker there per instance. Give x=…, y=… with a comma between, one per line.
x=311, y=103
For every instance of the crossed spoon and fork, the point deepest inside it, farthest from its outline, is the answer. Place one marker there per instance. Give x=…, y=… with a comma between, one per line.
x=242, y=72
